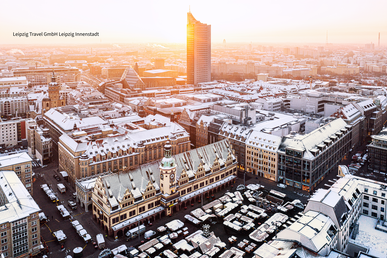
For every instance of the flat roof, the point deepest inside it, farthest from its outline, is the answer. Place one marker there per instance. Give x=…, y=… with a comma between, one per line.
x=14, y=159
x=18, y=202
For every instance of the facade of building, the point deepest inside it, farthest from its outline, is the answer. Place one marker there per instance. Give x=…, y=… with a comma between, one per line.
x=352, y=116
x=12, y=132
x=198, y=51
x=39, y=142
x=262, y=155
x=84, y=189
x=14, y=106
x=122, y=201
x=81, y=157
x=377, y=153
x=21, y=163
x=42, y=75
x=237, y=135
x=304, y=160
x=19, y=220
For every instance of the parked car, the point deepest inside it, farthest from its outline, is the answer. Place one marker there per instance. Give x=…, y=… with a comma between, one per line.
x=72, y=204
x=281, y=186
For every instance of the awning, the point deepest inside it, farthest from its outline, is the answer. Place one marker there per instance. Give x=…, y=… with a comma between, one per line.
x=137, y=218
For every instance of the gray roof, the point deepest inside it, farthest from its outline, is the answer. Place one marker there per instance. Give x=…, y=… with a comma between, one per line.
x=311, y=140
x=137, y=180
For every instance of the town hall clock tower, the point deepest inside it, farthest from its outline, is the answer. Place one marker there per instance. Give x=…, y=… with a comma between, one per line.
x=168, y=182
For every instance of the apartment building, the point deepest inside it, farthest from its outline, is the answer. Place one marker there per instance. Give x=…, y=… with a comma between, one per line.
x=21, y=163
x=19, y=220
x=262, y=155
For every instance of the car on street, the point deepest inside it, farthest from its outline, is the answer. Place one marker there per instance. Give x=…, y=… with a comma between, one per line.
x=56, y=177
x=72, y=204
x=283, y=186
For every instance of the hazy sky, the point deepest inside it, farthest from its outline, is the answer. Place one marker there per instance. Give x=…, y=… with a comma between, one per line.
x=164, y=21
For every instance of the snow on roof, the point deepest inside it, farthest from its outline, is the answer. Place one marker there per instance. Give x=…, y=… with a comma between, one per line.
x=12, y=79
x=14, y=159
x=16, y=203
x=137, y=180
x=367, y=105
x=264, y=141
x=67, y=122
x=310, y=141
x=312, y=230
x=206, y=119
x=370, y=237
x=350, y=111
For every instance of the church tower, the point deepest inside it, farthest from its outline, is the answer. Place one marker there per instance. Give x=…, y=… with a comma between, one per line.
x=53, y=92
x=168, y=171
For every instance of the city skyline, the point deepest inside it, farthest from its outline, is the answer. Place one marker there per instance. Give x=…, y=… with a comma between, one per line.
x=153, y=21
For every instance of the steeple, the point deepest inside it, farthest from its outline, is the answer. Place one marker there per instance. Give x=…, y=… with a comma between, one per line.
x=168, y=150
x=53, y=78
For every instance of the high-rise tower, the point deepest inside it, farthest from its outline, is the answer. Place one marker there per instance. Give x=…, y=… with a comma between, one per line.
x=198, y=51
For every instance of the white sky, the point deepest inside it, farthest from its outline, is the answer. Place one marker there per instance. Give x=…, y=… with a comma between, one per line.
x=164, y=21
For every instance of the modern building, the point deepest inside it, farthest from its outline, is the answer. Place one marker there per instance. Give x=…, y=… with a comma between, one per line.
x=12, y=132
x=14, y=106
x=40, y=144
x=21, y=163
x=19, y=220
x=198, y=51
x=124, y=200
x=304, y=160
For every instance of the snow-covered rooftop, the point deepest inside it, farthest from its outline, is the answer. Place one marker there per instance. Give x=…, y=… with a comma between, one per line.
x=14, y=159
x=17, y=202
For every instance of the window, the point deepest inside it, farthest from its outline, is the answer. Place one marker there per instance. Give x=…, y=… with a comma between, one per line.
x=150, y=205
x=34, y=236
x=365, y=205
x=35, y=242
x=366, y=197
x=374, y=214
x=115, y=220
x=3, y=241
x=382, y=209
x=382, y=201
x=365, y=212
x=375, y=200
x=33, y=223
x=3, y=234
x=375, y=192
x=366, y=190
x=33, y=229
x=141, y=209
x=383, y=194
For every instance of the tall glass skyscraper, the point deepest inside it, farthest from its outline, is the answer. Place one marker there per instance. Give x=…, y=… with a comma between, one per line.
x=198, y=51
